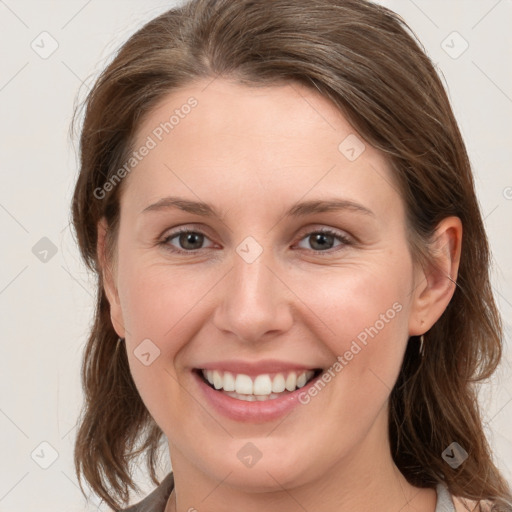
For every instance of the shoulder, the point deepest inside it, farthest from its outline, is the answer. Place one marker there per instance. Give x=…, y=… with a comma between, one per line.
x=465, y=505
x=157, y=500
x=446, y=501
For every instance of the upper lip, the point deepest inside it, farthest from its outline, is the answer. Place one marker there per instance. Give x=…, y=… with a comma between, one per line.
x=256, y=367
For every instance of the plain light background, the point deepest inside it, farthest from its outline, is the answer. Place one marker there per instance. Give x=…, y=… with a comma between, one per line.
x=46, y=306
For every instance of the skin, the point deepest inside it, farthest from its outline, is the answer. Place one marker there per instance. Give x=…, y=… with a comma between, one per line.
x=253, y=153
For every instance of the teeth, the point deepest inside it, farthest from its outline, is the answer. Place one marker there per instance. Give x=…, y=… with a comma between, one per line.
x=229, y=382
x=253, y=398
x=278, y=384
x=291, y=381
x=261, y=388
x=243, y=384
x=262, y=385
x=301, y=380
x=217, y=380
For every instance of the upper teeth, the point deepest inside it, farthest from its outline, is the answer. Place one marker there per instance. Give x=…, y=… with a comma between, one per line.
x=260, y=385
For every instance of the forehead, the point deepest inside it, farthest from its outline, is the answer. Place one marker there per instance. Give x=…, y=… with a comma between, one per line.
x=228, y=106
x=222, y=136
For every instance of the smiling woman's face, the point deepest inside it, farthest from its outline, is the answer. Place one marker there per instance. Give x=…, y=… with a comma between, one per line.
x=255, y=281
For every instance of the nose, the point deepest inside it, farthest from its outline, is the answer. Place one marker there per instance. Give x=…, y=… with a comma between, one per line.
x=254, y=302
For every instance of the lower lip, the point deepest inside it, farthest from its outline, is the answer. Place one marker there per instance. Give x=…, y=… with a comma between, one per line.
x=254, y=412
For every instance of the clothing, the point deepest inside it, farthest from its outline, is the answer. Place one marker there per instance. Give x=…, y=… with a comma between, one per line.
x=157, y=500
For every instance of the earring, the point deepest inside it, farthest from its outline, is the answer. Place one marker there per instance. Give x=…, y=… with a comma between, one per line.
x=118, y=344
x=421, y=345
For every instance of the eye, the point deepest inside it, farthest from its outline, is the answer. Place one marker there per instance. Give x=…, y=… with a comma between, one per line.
x=187, y=239
x=322, y=240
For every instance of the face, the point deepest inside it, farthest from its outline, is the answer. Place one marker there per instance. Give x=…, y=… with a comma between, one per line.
x=301, y=264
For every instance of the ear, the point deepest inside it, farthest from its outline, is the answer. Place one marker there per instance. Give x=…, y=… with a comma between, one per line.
x=108, y=280
x=435, y=285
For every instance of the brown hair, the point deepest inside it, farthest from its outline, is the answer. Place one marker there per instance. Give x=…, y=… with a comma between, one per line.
x=363, y=58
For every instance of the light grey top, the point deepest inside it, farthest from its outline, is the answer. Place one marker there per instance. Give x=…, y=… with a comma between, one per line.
x=157, y=500
x=444, y=500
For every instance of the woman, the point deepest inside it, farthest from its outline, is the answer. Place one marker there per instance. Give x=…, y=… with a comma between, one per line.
x=293, y=281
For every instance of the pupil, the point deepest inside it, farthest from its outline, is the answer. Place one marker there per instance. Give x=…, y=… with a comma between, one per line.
x=321, y=238
x=187, y=238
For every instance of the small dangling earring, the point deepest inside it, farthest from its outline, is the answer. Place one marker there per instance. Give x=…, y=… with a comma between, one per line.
x=118, y=344
x=421, y=345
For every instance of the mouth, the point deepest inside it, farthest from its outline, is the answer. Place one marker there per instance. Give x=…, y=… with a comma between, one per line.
x=263, y=387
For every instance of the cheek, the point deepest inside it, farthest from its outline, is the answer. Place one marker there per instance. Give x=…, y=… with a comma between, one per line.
x=358, y=303
x=363, y=318
x=160, y=307
x=156, y=296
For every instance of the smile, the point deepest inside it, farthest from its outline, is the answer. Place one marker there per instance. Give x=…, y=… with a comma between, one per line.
x=260, y=387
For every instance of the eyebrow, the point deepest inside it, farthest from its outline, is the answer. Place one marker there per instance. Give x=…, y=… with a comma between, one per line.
x=298, y=210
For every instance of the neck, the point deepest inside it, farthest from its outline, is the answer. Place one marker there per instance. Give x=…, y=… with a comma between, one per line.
x=364, y=479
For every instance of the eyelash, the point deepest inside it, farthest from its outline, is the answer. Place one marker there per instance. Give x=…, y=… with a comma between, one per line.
x=327, y=231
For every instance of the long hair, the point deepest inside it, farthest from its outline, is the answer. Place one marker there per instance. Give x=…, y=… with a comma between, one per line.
x=365, y=59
